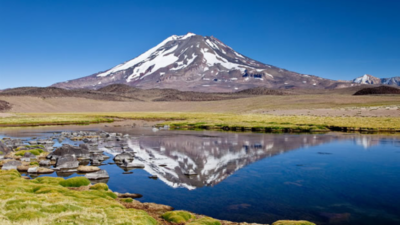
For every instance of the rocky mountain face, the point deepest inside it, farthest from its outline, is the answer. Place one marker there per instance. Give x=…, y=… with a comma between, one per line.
x=369, y=79
x=198, y=63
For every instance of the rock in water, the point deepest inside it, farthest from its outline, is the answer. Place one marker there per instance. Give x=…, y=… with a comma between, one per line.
x=11, y=165
x=102, y=174
x=67, y=162
x=88, y=169
x=45, y=163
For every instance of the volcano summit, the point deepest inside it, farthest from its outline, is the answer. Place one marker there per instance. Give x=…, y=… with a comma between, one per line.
x=198, y=63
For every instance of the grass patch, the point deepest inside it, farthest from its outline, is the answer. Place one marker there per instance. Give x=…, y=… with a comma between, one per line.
x=99, y=186
x=44, y=201
x=75, y=182
x=205, y=221
x=178, y=216
x=224, y=121
x=292, y=222
x=36, y=152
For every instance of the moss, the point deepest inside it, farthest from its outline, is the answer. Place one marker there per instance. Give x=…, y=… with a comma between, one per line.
x=293, y=222
x=177, y=216
x=75, y=182
x=99, y=186
x=127, y=200
x=205, y=221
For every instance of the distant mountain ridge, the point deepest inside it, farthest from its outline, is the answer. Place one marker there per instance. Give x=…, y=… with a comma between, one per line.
x=198, y=63
x=369, y=79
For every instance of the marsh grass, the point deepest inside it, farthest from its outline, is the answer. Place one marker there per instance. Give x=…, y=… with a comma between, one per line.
x=44, y=201
x=223, y=121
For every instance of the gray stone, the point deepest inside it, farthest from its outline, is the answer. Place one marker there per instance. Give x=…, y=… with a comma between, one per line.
x=67, y=162
x=45, y=163
x=33, y=170
x=25, y=159
x=102, y=174
x=11, y=165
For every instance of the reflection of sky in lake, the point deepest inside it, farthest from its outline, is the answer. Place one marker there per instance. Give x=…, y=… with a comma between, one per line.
x=328, y=179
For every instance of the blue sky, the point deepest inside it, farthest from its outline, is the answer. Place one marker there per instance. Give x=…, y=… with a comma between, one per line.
x=44, y=42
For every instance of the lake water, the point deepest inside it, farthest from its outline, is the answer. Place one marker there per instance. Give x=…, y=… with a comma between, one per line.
x=331, y=178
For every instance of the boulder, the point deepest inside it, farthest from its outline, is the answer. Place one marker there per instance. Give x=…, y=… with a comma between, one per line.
x=11, y=165
x=4, y=149
x=67, y=162
x=124, y=156
x=25, y=159
x=95, y=162
x=88, y=169
x=45, y=163
x=102, y=174
x=32, y=169
x=29, y=155
x=42, y=170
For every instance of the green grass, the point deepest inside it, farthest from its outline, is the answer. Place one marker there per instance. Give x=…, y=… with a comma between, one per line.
x=178, y=216
x=99, y=186
x=75, y=182
x=205, y=221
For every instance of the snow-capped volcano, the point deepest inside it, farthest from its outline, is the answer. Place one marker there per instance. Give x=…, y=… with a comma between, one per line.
x=369, y=79
x=199, y=63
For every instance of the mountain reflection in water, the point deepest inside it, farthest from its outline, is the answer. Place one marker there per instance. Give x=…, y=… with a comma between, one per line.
x=213, y=158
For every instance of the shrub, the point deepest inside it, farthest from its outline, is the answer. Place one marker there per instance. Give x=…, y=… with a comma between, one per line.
x=75, y=182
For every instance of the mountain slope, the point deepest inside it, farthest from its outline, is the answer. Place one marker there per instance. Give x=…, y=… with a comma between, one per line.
x=196, y=63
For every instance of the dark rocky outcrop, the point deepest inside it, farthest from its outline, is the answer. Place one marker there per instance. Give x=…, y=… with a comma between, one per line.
x=4, y=106
x=68, y=150
x=382, y=90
